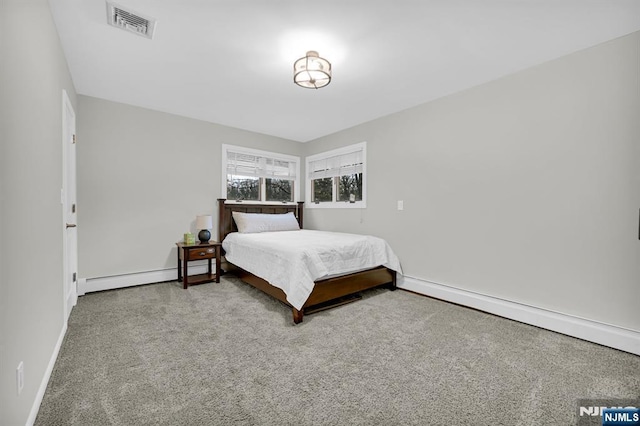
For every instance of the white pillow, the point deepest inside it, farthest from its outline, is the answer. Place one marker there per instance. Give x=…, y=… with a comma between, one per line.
x=260, y=222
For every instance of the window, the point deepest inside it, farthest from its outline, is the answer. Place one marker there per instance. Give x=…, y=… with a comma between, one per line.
x=259, y=176
x=337, y=178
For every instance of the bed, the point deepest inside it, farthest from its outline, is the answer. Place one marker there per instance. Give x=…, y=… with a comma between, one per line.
x=327, y=291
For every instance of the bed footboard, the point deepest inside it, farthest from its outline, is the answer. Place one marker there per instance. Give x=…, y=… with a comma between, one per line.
x=326, y=293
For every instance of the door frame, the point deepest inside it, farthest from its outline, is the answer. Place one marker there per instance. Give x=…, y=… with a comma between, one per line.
x=68, y=143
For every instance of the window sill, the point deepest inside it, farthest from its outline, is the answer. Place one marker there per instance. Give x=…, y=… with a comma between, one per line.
x=291, y=203
x=341, y=205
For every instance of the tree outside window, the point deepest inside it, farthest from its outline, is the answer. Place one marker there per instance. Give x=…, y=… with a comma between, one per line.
x=279, y=189
x=243, y=188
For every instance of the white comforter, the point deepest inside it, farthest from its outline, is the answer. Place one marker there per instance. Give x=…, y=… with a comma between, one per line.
x=293, y=260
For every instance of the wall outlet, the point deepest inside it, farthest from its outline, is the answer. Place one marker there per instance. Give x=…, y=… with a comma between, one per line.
x=400, y=205
x=20, y=377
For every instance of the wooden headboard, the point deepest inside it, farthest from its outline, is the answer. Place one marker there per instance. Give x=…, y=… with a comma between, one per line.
x=226, y=225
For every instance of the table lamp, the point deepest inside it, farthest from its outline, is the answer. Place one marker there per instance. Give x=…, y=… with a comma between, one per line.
x=204, y=223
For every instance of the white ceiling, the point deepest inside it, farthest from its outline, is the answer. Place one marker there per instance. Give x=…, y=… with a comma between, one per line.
x=230, y=61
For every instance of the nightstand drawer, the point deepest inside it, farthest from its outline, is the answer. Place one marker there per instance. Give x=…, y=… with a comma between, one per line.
x=201, y=253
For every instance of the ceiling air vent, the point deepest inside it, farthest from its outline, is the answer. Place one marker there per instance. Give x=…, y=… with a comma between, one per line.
x=129, y=20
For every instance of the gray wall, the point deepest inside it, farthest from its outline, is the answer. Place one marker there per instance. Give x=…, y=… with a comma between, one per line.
x=143, y=176
x=525, y=189
x=33, y=74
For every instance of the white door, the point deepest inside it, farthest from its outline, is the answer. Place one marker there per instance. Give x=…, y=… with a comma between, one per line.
x=69, y=206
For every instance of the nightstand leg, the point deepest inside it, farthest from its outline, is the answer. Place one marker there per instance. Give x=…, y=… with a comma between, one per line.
x=218, y=266
x=179, y=266
x=185, y=282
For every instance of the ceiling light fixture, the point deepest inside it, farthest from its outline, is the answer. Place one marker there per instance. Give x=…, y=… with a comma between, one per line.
x=312, y=71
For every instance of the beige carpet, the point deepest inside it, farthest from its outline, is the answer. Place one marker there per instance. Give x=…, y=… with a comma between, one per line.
x=226, y=354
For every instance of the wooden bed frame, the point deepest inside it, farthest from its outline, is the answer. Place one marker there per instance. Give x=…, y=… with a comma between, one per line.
x=326, y=290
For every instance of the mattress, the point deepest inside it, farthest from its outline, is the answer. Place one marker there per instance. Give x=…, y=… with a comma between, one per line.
x=294, y=260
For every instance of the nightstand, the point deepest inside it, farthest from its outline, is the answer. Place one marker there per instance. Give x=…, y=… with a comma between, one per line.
x=198, y=251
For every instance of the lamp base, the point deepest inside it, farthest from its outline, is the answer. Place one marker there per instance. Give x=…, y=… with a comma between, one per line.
x=204, y=236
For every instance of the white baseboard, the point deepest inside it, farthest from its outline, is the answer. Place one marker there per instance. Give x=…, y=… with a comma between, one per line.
x=45, y=379
x=72, y=299
x=82, y=284
x=592, y=331
x=87, y=285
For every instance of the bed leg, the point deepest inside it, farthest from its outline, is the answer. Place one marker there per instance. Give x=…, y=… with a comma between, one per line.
x=393, y=284
x=297, y=316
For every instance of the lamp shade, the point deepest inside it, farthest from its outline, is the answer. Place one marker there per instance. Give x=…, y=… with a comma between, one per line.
x=204, y=222
x=312, y=71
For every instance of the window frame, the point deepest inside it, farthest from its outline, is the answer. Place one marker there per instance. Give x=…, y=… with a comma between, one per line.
x=263, y=190
x=362, y=146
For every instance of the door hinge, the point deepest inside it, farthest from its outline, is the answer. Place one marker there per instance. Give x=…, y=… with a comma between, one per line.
x=75, y=276
x=73, y=208
x=74, y=139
